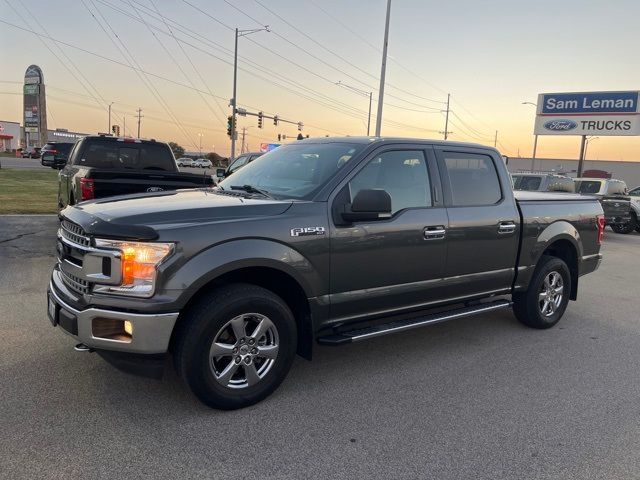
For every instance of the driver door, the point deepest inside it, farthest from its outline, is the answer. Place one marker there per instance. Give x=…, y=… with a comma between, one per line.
x=393, y=264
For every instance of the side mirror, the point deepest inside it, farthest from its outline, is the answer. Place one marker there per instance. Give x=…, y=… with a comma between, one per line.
x=368, y=205
x=220, y=172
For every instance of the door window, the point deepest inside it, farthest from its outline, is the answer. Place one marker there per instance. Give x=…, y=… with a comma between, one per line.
x=238, y=163
x=473, y=178
x=402, y=174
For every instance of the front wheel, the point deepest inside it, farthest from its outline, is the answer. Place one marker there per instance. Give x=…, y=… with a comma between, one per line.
x=546, y=300
x=628, y=227
x=236, y=346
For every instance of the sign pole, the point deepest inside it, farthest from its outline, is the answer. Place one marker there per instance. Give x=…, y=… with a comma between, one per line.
x=535, y=147
x=583, y=144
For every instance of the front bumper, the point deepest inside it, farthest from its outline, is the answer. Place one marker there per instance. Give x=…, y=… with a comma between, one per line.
x=151, y=332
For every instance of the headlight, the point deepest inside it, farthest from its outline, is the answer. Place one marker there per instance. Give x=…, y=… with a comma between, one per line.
x=138, y=268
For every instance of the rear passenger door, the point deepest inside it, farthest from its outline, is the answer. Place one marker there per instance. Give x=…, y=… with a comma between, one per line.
x=484, y=223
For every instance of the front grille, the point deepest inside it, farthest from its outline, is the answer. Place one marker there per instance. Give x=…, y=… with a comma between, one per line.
x=74, y=283
x=74, y=233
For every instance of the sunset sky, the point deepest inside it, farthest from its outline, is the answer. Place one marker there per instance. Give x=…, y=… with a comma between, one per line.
x=490, y=55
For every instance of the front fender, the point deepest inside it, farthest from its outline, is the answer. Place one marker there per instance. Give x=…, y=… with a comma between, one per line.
x=226, y=257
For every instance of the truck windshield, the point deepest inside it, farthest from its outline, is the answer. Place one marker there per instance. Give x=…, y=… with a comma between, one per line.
x=294, y=170
x=526, y=182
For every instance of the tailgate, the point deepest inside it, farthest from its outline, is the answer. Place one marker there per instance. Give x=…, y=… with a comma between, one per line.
x=111, y=183
x=615, y=207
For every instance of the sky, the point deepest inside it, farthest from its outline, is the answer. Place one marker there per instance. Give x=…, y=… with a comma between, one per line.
x=173, y=59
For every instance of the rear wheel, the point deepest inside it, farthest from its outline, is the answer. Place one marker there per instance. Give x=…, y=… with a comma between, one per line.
x=546, y=300
x=236, y=346
x=628, y=227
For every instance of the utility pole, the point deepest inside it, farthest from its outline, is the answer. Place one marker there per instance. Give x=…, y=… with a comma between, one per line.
x=495, y=140
x=366, y=94
x=446, y=118
x=124, y=125
x=383, y=70
x=234, y=100
x=583, y=147
x=139, y=118
x=244, y=133
x=109, y=130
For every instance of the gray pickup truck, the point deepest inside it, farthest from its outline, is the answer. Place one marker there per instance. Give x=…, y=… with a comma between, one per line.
x=329, y=241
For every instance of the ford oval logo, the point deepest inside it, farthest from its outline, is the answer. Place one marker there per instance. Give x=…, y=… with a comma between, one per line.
x=155, y=189
x=560, y=125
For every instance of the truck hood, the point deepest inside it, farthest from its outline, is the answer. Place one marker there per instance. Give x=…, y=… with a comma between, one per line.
x=140, y=216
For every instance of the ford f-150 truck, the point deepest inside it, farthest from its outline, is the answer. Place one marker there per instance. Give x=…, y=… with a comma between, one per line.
x=103, y=166
x=334, y=240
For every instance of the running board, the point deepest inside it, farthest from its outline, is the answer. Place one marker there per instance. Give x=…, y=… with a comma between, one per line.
x=402, y=325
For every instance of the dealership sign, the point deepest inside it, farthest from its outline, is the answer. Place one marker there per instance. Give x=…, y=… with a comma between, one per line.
x=591, y=113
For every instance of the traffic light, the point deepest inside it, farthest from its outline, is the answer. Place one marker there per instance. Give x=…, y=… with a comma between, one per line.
x=230, y=125
x=300, y=125
x=275, y=120
x=115, y=129
x=259, y=119
x=279, y=137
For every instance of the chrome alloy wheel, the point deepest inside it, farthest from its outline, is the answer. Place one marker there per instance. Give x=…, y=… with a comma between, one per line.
x=551, y=292
x=239, y=359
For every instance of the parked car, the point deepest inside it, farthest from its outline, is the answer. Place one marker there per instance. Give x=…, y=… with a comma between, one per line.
x=55, y=154
x=332, y=240
x=543, y=182
x=202, y=163
x=31, y=152
x=634, y=196
x=104, y=166
x=185, y=162
x=613, y=197
x=238, y=163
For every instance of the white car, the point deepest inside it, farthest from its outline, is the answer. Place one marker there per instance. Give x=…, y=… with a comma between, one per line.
x=634, y=195
x=202, y=163
x=184, y=162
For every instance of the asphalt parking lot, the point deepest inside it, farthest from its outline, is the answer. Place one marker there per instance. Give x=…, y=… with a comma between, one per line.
x=28, y=163
x=483, y=397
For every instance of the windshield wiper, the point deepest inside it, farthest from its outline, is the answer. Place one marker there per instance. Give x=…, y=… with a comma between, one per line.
x=251, y=189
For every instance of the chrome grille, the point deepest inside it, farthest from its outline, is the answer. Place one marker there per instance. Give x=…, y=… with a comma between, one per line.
x=74, y=283
x=74, y=233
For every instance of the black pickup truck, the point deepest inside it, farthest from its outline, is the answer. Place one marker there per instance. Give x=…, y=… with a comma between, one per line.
x=105, y=166
x=334, y=240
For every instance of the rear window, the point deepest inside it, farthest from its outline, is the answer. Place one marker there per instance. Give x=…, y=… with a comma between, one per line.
x=128, y=156
x=473, y=178
x=526, y=182
x=61, y=147
x=588, y=186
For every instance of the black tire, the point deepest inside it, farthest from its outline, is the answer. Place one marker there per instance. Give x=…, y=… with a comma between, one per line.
x=210, y=318
x=628, y=227
x=527, y=305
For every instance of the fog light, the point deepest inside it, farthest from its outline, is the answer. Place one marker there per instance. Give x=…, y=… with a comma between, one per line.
x=128, y=327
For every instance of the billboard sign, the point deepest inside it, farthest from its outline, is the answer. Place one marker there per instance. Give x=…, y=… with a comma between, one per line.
x=588, y=113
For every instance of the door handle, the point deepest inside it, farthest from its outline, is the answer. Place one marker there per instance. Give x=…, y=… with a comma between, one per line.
x=434, y=232
x=506, y=227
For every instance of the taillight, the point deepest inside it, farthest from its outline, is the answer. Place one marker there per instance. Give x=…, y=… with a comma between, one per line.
x=601, y=225
x=87, y=191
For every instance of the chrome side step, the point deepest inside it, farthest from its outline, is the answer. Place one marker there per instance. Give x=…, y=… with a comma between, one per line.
x=402, y=325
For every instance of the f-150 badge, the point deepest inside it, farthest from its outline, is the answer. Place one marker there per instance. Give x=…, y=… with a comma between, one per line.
x=306, y=231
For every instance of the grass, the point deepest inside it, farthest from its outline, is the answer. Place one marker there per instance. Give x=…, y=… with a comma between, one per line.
x=28, y=191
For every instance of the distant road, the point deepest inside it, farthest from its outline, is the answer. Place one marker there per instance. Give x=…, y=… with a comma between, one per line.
x=12, y=162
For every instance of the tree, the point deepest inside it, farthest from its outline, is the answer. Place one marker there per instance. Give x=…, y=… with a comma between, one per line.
x=217, y=160
x=177, y=150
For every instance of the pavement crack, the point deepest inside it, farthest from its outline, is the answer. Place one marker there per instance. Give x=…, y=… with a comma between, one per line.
x=19, y=236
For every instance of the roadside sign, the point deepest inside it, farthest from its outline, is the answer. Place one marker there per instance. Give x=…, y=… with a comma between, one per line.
x=588, y=113
x=267, y=147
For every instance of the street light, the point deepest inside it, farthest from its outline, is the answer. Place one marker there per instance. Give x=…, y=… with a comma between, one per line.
x=200, y=135
x=361, y=92
x=535, y=140
x=587, y=141
x=234, y=102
